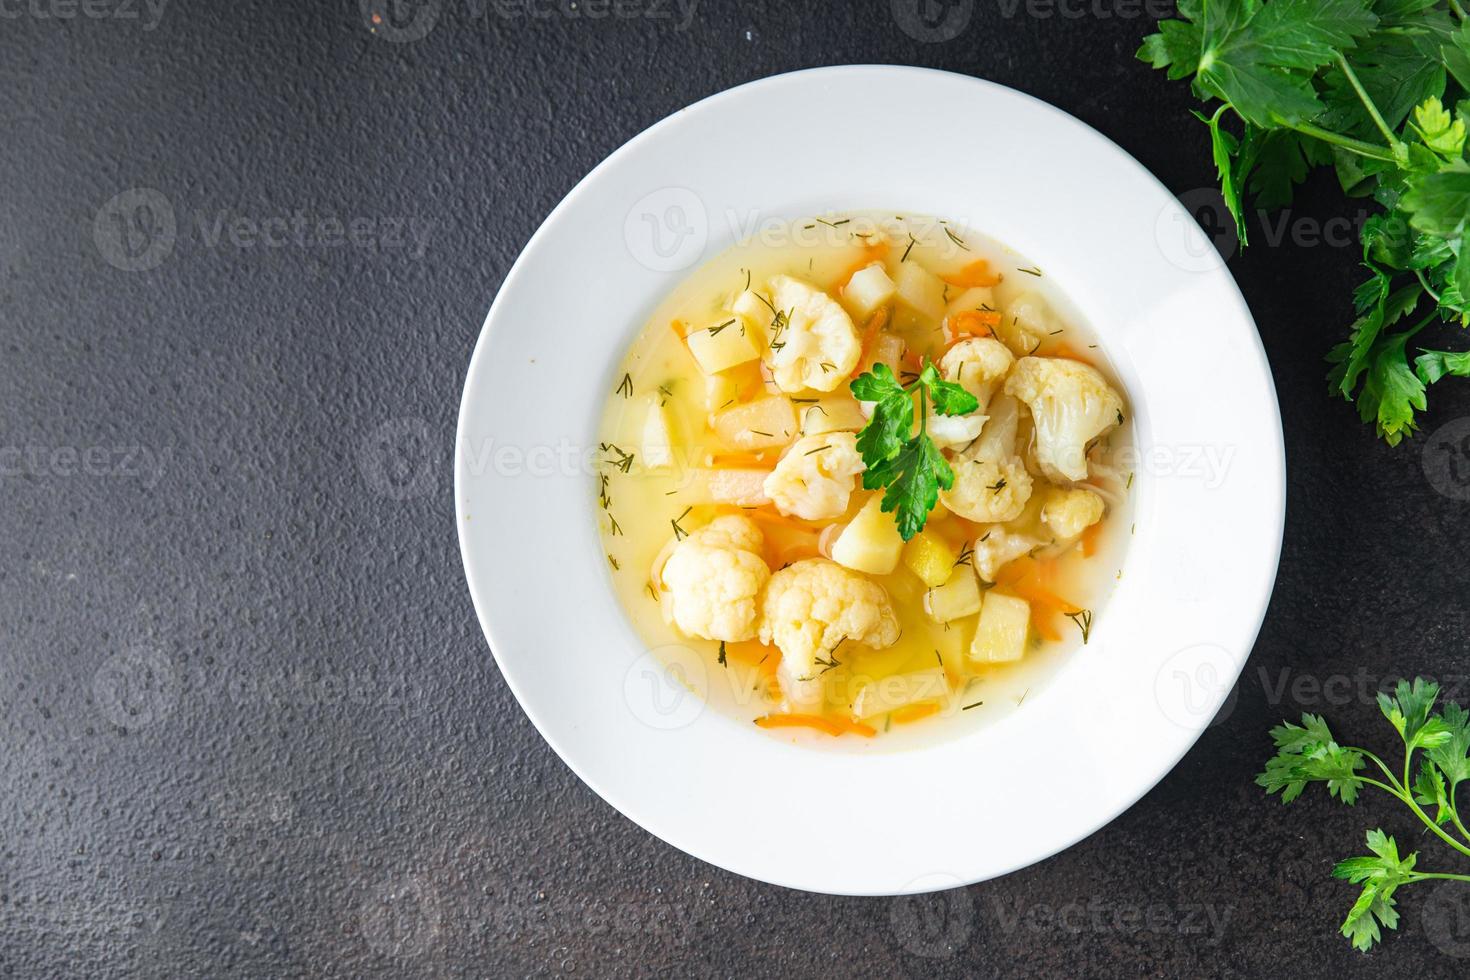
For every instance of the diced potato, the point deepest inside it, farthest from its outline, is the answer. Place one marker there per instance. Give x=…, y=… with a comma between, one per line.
x=920, y=290
x=929, y=557
x=867, y=290
x=1000, y=634
x=760, y=424
x=741, y=487
x=719, y=391
x=880, y=696
x=749, y=307
x=1026, y=320
x=975, y=298
x=722, y=345
x=871, y=543
x=955, y=599
x=834, y=413
x=658, y=437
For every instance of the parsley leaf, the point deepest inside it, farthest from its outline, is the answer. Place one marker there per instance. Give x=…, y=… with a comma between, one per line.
x=1308, y=753
x=1374, y=89
x=907, y=463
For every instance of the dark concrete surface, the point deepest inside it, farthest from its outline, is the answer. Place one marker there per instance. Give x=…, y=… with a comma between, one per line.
x=250, y=725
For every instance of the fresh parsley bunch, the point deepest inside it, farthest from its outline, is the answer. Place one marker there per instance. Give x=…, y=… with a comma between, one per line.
x=906, y=461
x=1376, y=90
x=1308, y=753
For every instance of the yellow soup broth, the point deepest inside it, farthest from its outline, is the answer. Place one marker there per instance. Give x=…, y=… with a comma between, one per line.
x=974, y=614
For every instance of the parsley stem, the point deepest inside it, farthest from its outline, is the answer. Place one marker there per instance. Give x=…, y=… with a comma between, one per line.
x=1422, y=875
x=1352, y=76
x=1459, y=10
x=1369, y=150
x=1425, y=283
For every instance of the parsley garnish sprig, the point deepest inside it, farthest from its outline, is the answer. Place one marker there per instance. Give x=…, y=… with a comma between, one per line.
x=1362, y=86
x=1308, y=753
x=905, y=461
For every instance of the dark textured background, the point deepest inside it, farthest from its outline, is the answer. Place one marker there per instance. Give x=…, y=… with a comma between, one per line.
x=250, y=725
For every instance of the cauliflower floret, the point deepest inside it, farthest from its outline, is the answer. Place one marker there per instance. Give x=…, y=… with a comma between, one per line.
x=814, y=480
x=817, y=347
x=1070, y=512
x=988, y=491
x=812, y=606
x=997, y=546
x=950, y=431
x=978, y=366
x=713, y=579
x=1071, y=405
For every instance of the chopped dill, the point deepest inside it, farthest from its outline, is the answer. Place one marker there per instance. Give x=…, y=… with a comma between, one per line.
x=613, y=527
x=938, y=657
x=1120, y=418
x=912, y=242
x=828, y=367
x=624, y=461
x=1083, y=619
x=723, y=662
x=1129, y=484
x=625, y=387
x=614, y=563
x=819, y=449
x=1035, y=271
x=967, y=555
x=835, y=224
x=956, y=238
x=974, y=705
x=758, y=432
x=998, y=485
x=679, y=533
x=665, y=392
x=1057, y=331
x=715, y=330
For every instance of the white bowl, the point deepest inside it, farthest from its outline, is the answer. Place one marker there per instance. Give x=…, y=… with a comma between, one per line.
x=1210, y=488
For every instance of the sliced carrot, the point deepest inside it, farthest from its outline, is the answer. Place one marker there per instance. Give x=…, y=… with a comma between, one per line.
x=914, y=712
x=769, y=515
x=977, y=273
x=755, y=654
x=977, y=323
x=1030, y=579
x=831, y=726
x=876, y=323
x=1089, y=540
